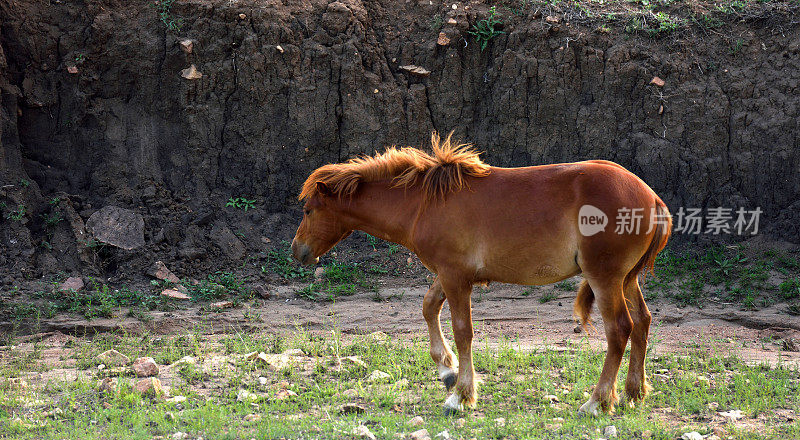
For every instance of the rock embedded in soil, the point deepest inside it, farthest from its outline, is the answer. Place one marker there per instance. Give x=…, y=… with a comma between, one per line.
x=150, y=386
x=416, y=421
x=252, y=418
x=222, y=305
x=693, y=435
x=112, y=358
x=174, y=294
x=118, y=227
x=421, y=434
x=415, y=70
x=187, y=46
x=363, y=431
x=160, y=271
x=353, y=360
x=71, y=284
x=658, y=82
x=191, y=73
x=262, y=292
x=610, y=431
x=443, y=39
x=145, y=367
x=378, y=376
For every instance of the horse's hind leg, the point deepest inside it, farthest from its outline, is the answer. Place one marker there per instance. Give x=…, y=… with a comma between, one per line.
x=458, y=297
x=618, y=325
x=440, y=352
x=636, y=386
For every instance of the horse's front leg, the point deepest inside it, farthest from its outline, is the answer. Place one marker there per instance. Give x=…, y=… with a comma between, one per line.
x=458, y=297
x=440, y=351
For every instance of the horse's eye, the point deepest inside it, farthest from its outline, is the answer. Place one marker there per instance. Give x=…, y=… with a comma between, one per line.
x=307, y=211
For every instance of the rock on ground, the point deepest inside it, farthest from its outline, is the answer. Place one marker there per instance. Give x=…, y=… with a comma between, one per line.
x=145, y=367
x=112, y=358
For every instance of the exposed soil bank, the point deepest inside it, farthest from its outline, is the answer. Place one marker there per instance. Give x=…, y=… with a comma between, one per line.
x=96, y=113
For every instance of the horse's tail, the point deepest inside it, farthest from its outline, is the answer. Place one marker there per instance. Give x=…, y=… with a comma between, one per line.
x=663, y=229
x=583, y=304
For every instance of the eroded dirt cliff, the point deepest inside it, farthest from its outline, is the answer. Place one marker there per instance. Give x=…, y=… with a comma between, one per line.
x=95, y=111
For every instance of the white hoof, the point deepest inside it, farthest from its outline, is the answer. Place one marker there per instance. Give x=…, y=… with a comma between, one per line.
x=453, y=405
x=590, y=407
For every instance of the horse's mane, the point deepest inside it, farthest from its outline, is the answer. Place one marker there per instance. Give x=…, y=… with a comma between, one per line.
x=439, y=173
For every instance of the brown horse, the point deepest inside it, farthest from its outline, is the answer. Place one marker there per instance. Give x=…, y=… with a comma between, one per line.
x=472, y=223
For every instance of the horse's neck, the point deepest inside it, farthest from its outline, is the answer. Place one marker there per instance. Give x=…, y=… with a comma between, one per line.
x=384, y=212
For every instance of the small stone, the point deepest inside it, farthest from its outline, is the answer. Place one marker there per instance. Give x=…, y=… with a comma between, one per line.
x=145, y=367
x=460, y=423
x=693, y=435
x=112, y=358
x=159, y=270
x=422, y=434
x=375, y=91
x=443, y=39
x=149, y=386
x=179, y=436
x=352, y=408
x=262, y=381
x=452, y=20
x=262, y=292
x=279, y=48
x=549, y=398
x=222, y=305
x=294, y=352
x=242, y=16
x=101, y=367
x=72, y=69
x=577, y=329
x=252, y=418
x=177, y=399
x=245, y=396
x=378, y=376
x=552, y=19
x=284, y=394
x=319, y=273
x=658, y=82
x=443, y=435
x=610, y=431
x=500, y=421
x=416, y=421
x=107, y=385
x=187, y=46
x=191, y=73
x=72, y=284
x=174, y=294
x=363, y=431
x=355, y=360
x=733, y=415
x=415, y=70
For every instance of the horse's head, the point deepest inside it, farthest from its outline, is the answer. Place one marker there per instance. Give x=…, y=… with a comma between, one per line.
x=322, y=227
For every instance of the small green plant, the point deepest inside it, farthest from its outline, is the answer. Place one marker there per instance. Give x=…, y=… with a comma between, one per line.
x=566, y=285
x=53, y=219
x=790, y=288
x=484, y=30
x=18, y=214
x=547, y=296
x=241, y=203
x=736, y=47
x=279, y=260
x=24, y=183
x=55, y=201
x=164, y=10
x=436, y=22
x=80, y=58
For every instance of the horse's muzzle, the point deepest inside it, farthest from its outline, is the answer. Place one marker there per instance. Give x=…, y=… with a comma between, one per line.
x=302, y=253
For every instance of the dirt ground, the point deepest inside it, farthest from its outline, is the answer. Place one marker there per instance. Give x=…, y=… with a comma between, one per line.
x=500, y=312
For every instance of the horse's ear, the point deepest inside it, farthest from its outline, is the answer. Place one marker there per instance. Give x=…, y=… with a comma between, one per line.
x=323, y=189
